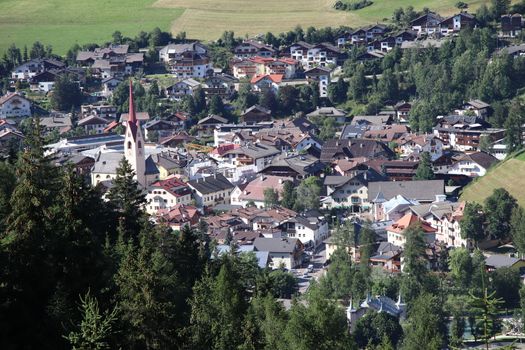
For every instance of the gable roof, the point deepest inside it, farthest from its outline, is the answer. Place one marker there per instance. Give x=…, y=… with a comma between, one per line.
x=211, y=184
x=408, y=220
x=484, y=159
x=420, y=190
x=275, y=78
x=276, y=245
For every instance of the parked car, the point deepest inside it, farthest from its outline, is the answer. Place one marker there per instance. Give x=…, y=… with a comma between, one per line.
x=310, y=268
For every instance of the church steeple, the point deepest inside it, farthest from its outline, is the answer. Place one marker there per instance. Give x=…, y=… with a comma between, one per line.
x=134, y=142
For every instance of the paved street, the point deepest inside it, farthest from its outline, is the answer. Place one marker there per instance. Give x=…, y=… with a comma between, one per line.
x=304, y=278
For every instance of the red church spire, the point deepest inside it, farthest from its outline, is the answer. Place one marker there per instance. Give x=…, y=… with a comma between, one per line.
x=132, y=117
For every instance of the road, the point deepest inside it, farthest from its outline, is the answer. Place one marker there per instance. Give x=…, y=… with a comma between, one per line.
x=304, y=278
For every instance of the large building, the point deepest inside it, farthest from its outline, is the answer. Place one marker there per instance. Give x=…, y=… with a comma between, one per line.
x=134, y=143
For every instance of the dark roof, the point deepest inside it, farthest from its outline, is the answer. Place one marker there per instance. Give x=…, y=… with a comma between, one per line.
x=151, y=167
x=484, y=159
x=355, y=148
x=211, y=184
x=423, y=190
x=275, y=245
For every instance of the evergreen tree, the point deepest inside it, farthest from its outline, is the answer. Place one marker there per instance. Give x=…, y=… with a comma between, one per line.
x=308, y=193
x=471, y=223
x=424, y=169
x=288, y=195
x=199, y=99
x=127, y=198
x=498, y=211
x=415, y=263
x=513, y=127
x=216, y=105
x=358, y=84
x=66, y=93
x=95, y=328
x=460, y=264
x=271, y=197
x=269, y=101
x=337, y=92
x=374, y=327
x=426, y=325
x=517, y=228
x=337, y=282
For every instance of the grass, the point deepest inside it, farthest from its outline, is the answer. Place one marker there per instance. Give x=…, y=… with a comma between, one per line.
x=62, y=23
x=506, y=174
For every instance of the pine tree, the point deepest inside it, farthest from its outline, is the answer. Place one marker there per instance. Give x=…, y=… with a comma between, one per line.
x=288, y=195
x=424, y=170
x=95, y=328
x=471, y=223
x=128, y=199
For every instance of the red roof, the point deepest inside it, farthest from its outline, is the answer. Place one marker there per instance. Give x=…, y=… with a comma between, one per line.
x=111, y=126
x=276, y=78
x=408, y=220
x=220, y=150
x=174, y=186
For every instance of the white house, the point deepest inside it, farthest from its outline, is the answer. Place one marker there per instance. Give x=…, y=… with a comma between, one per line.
x=286, y=252
x=414, y=145
x=473, y=164
x=311, y=231
x=167, y=194
x=211, y=190
x=14, y=105
x=93, y=124
x=253, y=191
x=396, y=231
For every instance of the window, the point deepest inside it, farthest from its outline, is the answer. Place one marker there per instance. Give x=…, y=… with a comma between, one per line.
x=129, y=144
x=140, y=144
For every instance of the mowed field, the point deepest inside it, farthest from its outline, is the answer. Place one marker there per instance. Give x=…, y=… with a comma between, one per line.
x=207, y=19
x=508, y=174
x=62, y=23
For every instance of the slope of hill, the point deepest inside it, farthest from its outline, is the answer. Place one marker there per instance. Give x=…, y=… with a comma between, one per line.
x=61, y=23
x=507, y=174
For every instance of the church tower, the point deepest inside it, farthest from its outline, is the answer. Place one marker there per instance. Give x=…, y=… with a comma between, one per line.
x=134, y=143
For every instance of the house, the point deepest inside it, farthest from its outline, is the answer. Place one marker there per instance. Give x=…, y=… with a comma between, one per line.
x=93, y=124
x=338, y=115
x=320, y=75
x=423, y=191
x=463, y=132
x=10, y=138
x=102, y=110
x=428, y=23
x=56, y=122
x=31, y=68
x=169, y=164
x=285, y=252
x=345, y=149
x=445, y=217
x=349, y=191
x=105, y=167
x=159, y=128
x=82, y=143
x=253, y=191
x=296, y=166
x=186, y=60
x=390, y=210
x=375, y=304
x=222, y=85
x=511, y=25
x=256, y=114
x=412, y=146
x=43, y=82
x=109, y=85
x=87, y=58
x=252, y=48
x=186, y=87
x=82, y=164
x=396, y=231
x=310, y=230
x=114, y=60
x=211, y=190
x=473, y=164
x=179, y=216
x=14, y=105
x=254, y=155
x=497, y=261
x=402, y=109
x=387, y=257
x=322, y=55
x=455, y=23
x=478, y=107
x=165, y=194
x=206, y=126
x=362, y=35
x=262, y=83
x=380, y=119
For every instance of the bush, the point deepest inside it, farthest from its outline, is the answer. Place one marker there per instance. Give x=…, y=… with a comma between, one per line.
x=352, y=6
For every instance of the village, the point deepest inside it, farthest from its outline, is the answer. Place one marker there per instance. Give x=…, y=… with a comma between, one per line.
x=284, y=186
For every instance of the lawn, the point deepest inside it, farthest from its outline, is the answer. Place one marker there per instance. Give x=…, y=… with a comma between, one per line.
x=506, y=174
x=62, y=23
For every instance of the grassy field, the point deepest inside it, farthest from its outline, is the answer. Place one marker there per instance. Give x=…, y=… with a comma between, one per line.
x=506, y=175
x=61, y=23
x=207, y=19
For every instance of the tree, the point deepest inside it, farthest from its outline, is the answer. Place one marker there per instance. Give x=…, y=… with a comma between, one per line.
x=505, y=281
x=199, y=100
x=288, y=195
x=66, y=93
x=127, y=198
x=288, y=96
x=216, y=105
x=499, y=7
x=95, y=328
x=147, y=292
x=337, y=282
x=374, y=327
x=471, y=224
x=415, y=263
x=271, y=197
x=269, y=101
x=117, y=37
x=308, y=193
x=337, y=92
x=485, y=307
x=328, y=129
x=517, y=228
x=424, y=170
x=366, y=244
x=460, y=264
x=498, y=211
x=37, y=50
x=426, y=325
x=357, y=89
x=246, y=98
x=513, y=127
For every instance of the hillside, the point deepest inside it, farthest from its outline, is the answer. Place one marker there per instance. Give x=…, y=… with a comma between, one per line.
x=61, y=23
x=507, y=174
